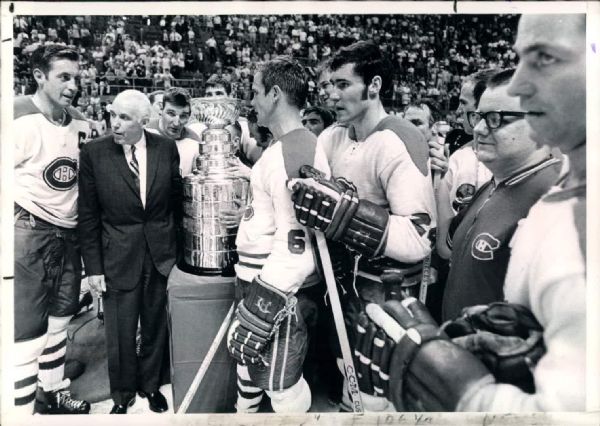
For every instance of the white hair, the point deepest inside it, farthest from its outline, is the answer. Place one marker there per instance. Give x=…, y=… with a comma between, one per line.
x=141, y=101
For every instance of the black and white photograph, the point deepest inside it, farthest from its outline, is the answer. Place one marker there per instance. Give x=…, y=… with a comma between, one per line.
x=300, y=212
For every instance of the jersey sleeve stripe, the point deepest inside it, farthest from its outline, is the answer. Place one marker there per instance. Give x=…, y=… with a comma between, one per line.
x=249, y=265
x=254, y=255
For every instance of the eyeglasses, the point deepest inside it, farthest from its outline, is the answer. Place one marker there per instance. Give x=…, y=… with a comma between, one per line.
x=493, y=119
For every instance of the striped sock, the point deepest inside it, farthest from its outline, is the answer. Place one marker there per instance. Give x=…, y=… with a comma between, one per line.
x=52, y=360
x=249, y=396
x=25, y=372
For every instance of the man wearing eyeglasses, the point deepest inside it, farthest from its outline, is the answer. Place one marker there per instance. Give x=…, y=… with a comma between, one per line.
x=479, y=236
x=546, y=274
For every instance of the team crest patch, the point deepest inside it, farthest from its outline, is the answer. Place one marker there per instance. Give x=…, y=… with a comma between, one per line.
x=484, y=246
x=61, y=174
x=263, y=305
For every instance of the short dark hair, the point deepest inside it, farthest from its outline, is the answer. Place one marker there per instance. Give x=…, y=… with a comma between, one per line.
x=289, y=75
x=176, y=96
x=152, y=96
x=324, y=113
x=368, y=62
x=500, y=78
x=42, y=56
x=479, y=80
x=218, y=81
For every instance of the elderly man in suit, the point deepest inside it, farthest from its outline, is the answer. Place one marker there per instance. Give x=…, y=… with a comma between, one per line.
x=130, y=189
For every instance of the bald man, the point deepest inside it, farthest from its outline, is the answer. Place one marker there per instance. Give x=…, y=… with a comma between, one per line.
x=130, y=184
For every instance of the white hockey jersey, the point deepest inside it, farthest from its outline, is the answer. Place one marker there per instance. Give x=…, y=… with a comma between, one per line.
x=187, y=147
x=465, y=175
x=392, y=173
x=270, y=241
x=46, y=162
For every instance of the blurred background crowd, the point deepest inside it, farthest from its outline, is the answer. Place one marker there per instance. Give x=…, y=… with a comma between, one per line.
x=432, y=53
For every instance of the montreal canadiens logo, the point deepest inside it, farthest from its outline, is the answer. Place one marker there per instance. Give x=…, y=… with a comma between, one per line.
x=61, y=174
x=484, y=246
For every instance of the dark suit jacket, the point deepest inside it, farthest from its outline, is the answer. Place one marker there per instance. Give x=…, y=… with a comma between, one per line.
x=113, y=225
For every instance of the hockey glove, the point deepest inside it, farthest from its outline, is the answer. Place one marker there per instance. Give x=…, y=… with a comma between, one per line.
x=506, y=337
x=256, y=320
x=427, y=372
x=333, y=207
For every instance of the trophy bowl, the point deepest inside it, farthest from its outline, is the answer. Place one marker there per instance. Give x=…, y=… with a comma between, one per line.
x=216, y=111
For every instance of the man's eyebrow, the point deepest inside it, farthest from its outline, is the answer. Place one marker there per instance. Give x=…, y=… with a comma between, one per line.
x=535, y=47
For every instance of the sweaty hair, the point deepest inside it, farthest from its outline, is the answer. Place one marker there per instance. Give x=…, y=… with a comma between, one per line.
x=289, y=76
x=501, y=78
x=218, y=81
x=152, y=96
x=325, y=115
x=42, y=57
x=479, y=80
x=176, y=96
x=368, y=62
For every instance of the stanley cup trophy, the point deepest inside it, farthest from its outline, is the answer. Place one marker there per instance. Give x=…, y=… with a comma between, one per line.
x=208, y=245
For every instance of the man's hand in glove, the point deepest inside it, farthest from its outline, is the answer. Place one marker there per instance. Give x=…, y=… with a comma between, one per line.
x=333, y=207
x=256, y=320
x=426, y=371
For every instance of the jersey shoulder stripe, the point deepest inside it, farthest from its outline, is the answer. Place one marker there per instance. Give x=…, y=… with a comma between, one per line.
x=413, y=139
x=24, y=106
x=298, y=148
x=75, y=114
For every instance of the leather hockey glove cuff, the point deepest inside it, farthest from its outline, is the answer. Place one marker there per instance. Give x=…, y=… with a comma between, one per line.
x=427, y=372
x=333, y=207
x=256, y=320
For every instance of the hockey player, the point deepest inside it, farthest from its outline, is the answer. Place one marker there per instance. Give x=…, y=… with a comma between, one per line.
x=172, y=122
x=465, y=174
x=268, y=334
x=546, y=272
x=522, y=173
x=386, y=211
x=47, y=134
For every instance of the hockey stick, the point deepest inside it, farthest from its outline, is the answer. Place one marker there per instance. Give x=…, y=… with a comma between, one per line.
x=340, y=326
x=426, y=274
x=187, y=399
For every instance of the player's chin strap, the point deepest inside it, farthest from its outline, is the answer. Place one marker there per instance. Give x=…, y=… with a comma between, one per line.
x=340, y=326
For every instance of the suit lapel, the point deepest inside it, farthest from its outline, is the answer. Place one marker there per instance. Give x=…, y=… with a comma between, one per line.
x=151, y=161
x=121, y=164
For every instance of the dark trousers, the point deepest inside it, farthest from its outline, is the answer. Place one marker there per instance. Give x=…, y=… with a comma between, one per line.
x=147, y=302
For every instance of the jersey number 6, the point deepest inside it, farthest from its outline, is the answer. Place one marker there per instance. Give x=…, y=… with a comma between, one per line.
x=296, y=243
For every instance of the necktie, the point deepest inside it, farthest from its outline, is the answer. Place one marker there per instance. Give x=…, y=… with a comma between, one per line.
x=135, y=168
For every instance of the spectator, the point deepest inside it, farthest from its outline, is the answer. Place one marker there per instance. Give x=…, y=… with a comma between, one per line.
x=317, y=119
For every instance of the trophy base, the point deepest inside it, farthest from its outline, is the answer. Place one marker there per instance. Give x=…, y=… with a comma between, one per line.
x=229, y=271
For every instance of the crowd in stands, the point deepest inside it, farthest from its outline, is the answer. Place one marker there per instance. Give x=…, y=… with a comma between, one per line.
x=431, y=52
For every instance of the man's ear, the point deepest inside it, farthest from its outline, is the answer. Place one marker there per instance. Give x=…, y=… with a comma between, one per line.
x=39, y=75
x=375, y=86
x=275, y=93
